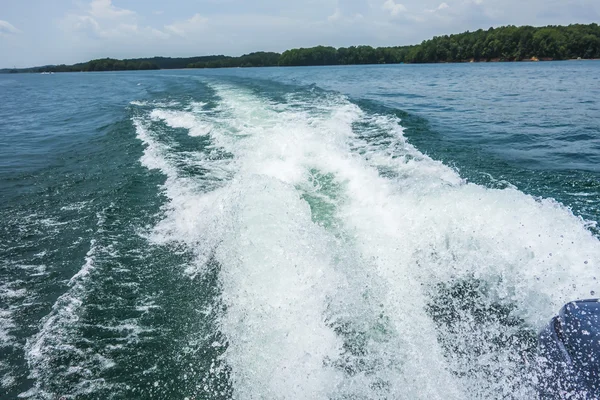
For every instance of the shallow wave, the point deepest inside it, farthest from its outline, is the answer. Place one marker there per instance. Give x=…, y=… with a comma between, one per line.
x=57, y=337
x=341, y=249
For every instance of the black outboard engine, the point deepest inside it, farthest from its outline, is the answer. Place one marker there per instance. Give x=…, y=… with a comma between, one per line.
x=569, y=353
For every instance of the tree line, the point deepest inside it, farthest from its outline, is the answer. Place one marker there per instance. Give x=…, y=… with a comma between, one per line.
x=511, y=43
x=507, y=43
x=105, y=64
x=111, y=64
x=258, y=59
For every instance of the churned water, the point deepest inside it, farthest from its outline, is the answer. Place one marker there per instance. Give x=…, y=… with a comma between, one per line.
x=363, y=232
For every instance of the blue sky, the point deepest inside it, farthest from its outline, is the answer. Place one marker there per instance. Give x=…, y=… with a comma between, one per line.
x=38, y=32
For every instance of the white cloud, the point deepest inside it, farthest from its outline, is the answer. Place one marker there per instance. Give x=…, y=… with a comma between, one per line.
x=157, y=33
x=339, y=16
x=6, y=28
x=85, y=22
x=183, y=28
x=100, y=19
x=105, y=9
x=335, y=16
x=393, y=7
x=441, y=7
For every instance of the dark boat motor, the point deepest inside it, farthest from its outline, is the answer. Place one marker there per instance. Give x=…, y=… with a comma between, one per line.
x=569, y=353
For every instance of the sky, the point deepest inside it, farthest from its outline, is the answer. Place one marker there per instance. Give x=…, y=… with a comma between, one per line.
x=41, y=32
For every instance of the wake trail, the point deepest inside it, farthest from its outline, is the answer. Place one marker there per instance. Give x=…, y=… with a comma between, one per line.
x=335, y=239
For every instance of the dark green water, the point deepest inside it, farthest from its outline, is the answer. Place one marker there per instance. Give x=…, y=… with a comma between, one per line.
x=341, y=232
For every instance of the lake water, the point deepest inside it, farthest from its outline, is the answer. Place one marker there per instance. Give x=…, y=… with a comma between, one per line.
x=355, y=232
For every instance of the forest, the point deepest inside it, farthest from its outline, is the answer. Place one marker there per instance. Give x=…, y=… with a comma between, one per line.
x=258, y=59
x=506, y=43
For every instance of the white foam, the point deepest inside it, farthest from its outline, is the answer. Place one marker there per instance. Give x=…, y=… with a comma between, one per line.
x=77, y=206
x=64, y=314
x=284, y=146
x=7, y=380
x=6, y=325
x=58, y=330
x=181, y=119
x=276, y=277
x=184, y=212
x=12, y=297
x=38, y=270
x=164, y=104
x=287, y=283
x=11, y=291
x=86, y=269
x=224, y=220
x=197, y=107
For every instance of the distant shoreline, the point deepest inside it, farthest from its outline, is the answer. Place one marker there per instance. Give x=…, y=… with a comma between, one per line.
x=525, y=61
x=510, y=61
x=502, y=44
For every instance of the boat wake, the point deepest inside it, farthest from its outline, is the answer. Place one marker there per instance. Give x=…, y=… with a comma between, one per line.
x=350, y=265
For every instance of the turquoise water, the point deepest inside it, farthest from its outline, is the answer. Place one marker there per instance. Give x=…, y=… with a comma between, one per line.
x=360, y=232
